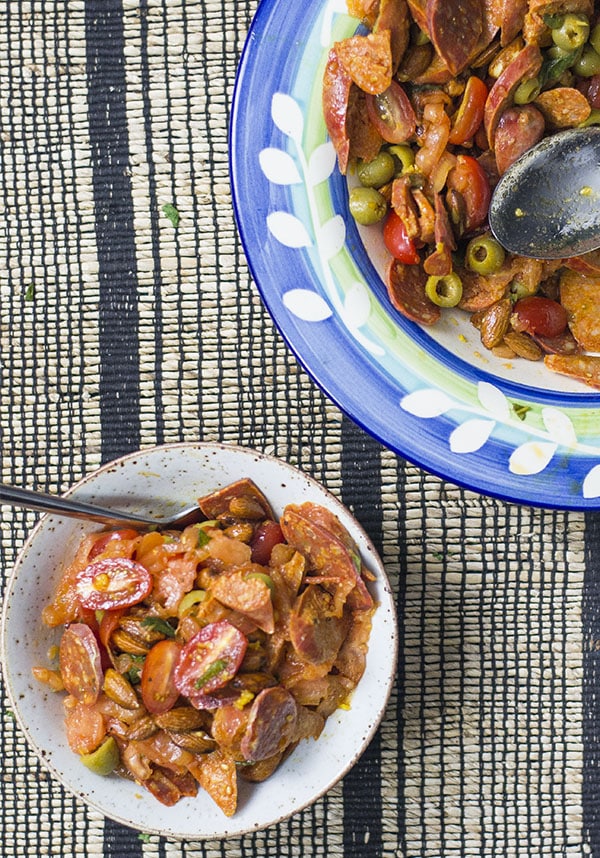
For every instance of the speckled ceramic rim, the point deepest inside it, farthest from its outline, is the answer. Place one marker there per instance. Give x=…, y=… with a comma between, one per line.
x=490, y=434
x=25, y=642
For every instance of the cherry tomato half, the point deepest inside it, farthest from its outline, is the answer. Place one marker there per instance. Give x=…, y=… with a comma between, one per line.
x=210, y=659
x=469, y=115
x=541, y=316
x=80, y=664
x=470, y=180
x=397, y=240
x=392, y=114
x=115, y=582
x=159, y=692
x=103, y=540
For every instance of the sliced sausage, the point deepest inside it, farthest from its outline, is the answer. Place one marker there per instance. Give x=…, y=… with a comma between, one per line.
x=519, y=128
x=454, y=27
x=393, y=15
x=271, y=725
x=406, y=291
x=580, y=296
x=368, y=60
x=80, y=663
x=337, y=85
x=315, y=632
x=584, y=368
x=525, y=65
x=563, y=106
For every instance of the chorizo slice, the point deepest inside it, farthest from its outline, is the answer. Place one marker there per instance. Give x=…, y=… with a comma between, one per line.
x=406, y=291
x=337, y=85
x=271, y=724
x=481, y=291
x=439, y=263
x=393, y=16
x=315, y=631
x=525, y=65
x=580, y=296
x=217, y=774
x=587, y=263
x=563, y=106
x=454, y=28
x=328, y=555
x=218, y=502
x=80, y=663
x=368, y=60
x=245, y=591
x=563, y=344
x=584, y=368
x=518, y=129
x=509, y=17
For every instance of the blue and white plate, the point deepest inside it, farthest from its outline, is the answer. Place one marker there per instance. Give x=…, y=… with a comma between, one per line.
x=436, y=397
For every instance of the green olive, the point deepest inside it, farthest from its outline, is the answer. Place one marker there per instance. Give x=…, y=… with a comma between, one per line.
x=405, y=156
x=104, y=759
x=444, y=291
x=572, y=33
x=484, y=255
x=378, y=172
x=187, y=602
x=594, y=39
x=593, y=119
x=588, y=63
x=527, y=91
x=367, y=205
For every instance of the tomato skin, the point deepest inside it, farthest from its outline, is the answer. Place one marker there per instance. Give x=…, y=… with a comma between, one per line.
x=538, y=315
x=80, y=663
x=470, y=180
x=469, y=115
x=267, y=535
x=157, y=685
x=397, y=240
x=104, y=538
x=392, y=114
x=210, y=659
x=115, y=582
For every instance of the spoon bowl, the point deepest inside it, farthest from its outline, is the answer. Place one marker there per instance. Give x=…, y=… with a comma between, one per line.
x=547, y=204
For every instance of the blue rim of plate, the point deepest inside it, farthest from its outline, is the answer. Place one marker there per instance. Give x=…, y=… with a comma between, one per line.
x=457, y=421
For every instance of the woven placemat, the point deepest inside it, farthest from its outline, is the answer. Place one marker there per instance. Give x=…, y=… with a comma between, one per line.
x=120, y=330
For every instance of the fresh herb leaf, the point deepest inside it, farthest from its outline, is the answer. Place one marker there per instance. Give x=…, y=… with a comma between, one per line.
x=215, y=668
x=171, y=212
x=437, y=555
x=203, y=538
x=30, y=293
x=553, y=21
x=553, y=67
x=159, y=625
x=145, y=838
x=521, y=410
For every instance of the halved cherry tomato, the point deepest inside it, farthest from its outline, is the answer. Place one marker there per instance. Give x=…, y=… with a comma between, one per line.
x=159, y=692
x=267, y=535
x=469, y=115
x=115, y=582
x=392, y=114
x=100, y=544
x=79, y=662
x=470, y=180
x=538, y=315
x=210, y=659
x=397, y=240
x=108, y=623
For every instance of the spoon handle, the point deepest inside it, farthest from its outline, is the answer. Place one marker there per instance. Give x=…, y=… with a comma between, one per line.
x=63, y=506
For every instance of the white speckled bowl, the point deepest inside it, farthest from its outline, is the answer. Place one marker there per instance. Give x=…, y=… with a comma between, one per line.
x=160, y=481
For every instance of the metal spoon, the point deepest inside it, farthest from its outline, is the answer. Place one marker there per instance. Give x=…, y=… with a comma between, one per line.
x=547, y=204
x=77, y=509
